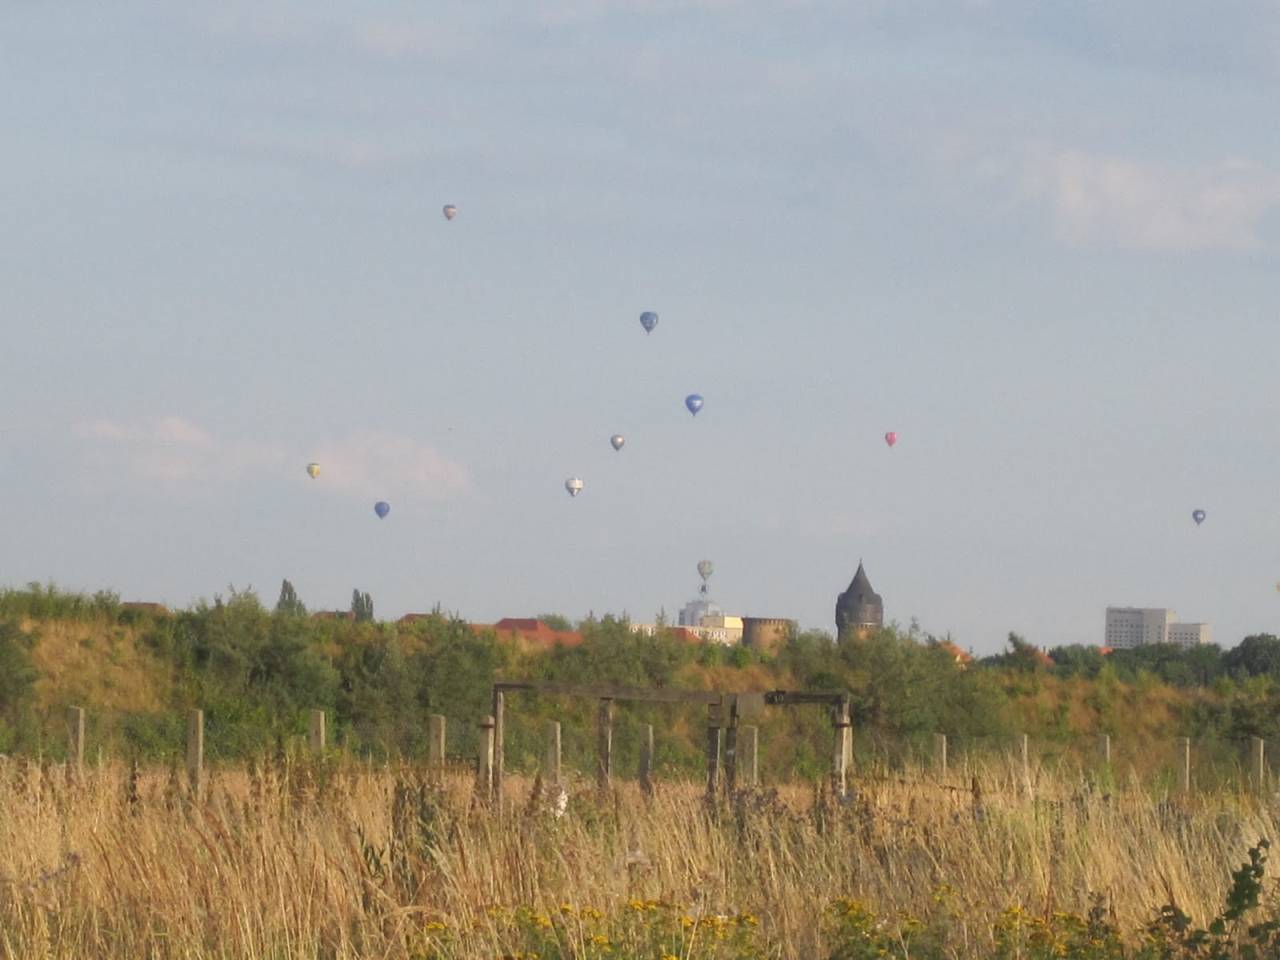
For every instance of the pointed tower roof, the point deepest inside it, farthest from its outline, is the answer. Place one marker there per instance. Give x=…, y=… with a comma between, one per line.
x=860, y=589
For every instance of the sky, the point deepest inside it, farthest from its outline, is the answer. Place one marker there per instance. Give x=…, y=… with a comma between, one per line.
x=1039, y=241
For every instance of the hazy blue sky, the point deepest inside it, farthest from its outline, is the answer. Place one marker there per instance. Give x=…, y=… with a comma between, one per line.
x=1040, y=241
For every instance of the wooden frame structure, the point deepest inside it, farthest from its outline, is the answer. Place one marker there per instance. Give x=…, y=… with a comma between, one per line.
x=725, y=710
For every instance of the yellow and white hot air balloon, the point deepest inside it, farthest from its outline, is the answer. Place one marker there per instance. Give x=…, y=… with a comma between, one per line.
x=313, y=470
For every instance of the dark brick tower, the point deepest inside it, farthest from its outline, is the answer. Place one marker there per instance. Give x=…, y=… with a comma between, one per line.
x=859, y=609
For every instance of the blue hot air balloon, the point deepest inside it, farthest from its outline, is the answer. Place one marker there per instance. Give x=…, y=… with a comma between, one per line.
x=1198, y=516
x=381, y=508
x=694, y=402
x=648, y=320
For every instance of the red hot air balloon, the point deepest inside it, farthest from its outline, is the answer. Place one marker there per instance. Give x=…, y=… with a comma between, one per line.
x=891, y=438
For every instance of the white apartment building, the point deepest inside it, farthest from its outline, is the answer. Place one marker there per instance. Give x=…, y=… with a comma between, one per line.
x=1190, y=634
x=1129, y=627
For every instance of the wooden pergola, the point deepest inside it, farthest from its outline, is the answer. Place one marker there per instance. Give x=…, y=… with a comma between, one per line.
x=725, y=711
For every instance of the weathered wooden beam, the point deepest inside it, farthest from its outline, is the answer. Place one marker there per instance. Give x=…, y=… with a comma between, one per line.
x=655, y=695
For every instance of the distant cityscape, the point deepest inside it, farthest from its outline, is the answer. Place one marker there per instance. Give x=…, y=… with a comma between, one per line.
x=859, y=610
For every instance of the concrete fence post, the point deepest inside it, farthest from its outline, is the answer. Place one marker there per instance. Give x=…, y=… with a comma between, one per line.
x=195, y=753
x=604, y=744
x=749, y=757
x=842, y=754
x=499, y=745
x=551, y=766
x=1184, y=749
x=646, y=760
x=940, y=753
x=1258, y=765
x=484, y=760
x=435, y=746
x=75, y=744
x=316, y=733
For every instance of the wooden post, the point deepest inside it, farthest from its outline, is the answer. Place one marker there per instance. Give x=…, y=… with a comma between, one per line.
x=435, y=746
x=1026, y=760
x=484, y=761
x=551, y=767
x=646, y=761
x=75, y=744
x=1259, y=764
x=316, y=732
x=748, y=757
x=940, y=753
x=842, y=756
x=195, y=753
x=1104, y=749
x=1185, y=744
x=731, y=749
x=713, y=750
x=499, y=753
x=604, y=744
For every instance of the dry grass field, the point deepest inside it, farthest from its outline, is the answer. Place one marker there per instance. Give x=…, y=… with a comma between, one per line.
x=340, y=859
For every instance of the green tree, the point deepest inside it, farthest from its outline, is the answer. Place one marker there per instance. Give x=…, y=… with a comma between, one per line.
x=361, y=606
x=556, y=621
x=1255, y=656
x=289, y=605
x=17, y=678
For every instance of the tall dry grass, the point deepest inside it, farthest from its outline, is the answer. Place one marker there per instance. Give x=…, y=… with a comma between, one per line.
x=339, y=859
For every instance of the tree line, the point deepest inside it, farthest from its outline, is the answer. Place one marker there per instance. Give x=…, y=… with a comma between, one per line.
x=256, y=671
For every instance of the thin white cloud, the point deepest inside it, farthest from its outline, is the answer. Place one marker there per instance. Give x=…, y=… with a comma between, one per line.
x=1126, y=203
x=380, y=464
x=169, y=450
x=173, y=450
x=172, y=430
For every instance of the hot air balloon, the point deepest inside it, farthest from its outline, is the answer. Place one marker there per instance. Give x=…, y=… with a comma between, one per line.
x=648, y=320
x=617, y=440
x=381, y=508
x=450, y=211
x=1198, y=516
x=313, y=470
x=574, y=486
x=694, y=402
x=705, y=570
x=891, y=438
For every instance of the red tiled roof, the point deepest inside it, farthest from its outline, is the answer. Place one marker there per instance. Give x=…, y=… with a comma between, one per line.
x=530, y=633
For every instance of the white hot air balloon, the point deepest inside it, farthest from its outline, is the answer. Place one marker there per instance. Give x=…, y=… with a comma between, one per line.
x=617, y=440
x=574, y=486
